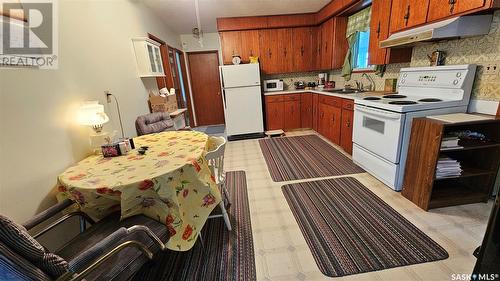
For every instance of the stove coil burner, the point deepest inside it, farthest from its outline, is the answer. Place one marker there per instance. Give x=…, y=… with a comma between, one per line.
x=372, y=98
x=430, y=100
x=403, y=102
x=394, y=96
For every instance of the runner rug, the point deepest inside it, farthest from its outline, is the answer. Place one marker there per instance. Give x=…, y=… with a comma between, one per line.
x=225, y=255
x=350, y=230
x=303, y=157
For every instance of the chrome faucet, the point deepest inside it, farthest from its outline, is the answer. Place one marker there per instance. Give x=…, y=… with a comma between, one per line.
x=372, y=83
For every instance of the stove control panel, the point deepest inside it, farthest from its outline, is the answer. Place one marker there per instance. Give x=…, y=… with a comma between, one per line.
x=450, y=77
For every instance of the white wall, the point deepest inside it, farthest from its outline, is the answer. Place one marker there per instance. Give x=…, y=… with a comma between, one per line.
x=39, y=138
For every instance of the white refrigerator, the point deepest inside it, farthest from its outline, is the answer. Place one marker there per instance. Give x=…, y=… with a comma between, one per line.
x=242, y=100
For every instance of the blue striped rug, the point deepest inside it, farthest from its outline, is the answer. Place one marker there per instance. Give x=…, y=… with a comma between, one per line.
x=350, y=230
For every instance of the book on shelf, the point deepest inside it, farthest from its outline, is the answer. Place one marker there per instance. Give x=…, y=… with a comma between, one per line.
x=450, y=143
x=448, y=167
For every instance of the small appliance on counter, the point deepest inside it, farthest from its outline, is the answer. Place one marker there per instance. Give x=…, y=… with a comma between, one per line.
x=300, y=85
x=273, y=85
x=311, y=85
x=322, y=79
x=330, y=85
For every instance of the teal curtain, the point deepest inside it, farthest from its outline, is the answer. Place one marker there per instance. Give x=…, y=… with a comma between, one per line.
x=359, y=22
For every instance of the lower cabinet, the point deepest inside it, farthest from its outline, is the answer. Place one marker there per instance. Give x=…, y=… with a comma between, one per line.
x=330, y=116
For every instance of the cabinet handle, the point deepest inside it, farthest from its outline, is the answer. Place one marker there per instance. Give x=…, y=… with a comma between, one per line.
x=452, y=5
x=378, y=30
x=407, y=15
x=285, y=52
x=348, y=124
x=302, y=51
x=333, y=118
x=269, y=53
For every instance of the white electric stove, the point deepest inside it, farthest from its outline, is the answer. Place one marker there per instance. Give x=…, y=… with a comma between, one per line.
x=382, y=125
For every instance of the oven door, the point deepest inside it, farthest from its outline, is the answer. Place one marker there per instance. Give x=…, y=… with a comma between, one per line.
x=378, y=131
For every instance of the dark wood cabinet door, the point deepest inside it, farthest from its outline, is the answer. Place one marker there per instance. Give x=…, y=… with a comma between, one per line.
x=306, y=108
x=275, y=112
x=408, y=13
x=249, y=45
x=316, y=39
x=335, y=124
x=315, y=109
x=285, y=46
x=379, y=30
x=339, y=42
x=467, y=5
x=326, y=44
x=231, y=45
x=346, y=130
x=292, y=115
x=439, y=9
x=323, y=119
x=302, y=49
x=268, y=53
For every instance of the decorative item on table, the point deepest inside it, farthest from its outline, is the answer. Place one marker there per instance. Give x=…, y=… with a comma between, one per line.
x=390, y=84
x=437, y=58
x=236, y=60
x=253, y=59
x=330, y=85
x=300, y=85
x=120, y=147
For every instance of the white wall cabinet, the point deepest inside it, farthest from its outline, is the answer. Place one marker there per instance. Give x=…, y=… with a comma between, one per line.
x=148, y=57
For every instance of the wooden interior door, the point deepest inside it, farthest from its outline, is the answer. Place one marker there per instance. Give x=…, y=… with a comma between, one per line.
x=205, y=84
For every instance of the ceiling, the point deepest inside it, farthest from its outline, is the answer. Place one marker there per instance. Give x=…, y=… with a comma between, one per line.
x=180, y=15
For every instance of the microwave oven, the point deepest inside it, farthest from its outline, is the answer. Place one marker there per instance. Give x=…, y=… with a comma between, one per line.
x=273, y=85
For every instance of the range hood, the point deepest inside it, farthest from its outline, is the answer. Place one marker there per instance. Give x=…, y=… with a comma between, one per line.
x=453, y=28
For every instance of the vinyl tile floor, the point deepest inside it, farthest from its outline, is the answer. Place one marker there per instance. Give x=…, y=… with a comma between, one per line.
x=281, y=252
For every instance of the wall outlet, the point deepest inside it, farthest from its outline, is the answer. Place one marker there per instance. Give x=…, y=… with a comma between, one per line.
x=491, y=68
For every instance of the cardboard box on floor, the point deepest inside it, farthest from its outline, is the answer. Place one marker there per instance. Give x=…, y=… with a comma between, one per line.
x=163, y=104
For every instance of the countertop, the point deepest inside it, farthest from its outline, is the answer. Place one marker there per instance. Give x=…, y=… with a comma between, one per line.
x=354, y=96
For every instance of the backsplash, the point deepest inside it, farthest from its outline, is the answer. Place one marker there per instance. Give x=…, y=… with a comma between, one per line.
x=478, y=50
x=475, y=50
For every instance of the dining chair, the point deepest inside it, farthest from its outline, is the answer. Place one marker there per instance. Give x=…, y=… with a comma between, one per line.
x=215, y=158
x=111, y=249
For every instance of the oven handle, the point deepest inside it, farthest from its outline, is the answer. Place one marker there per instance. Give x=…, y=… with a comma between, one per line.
x=376, y=112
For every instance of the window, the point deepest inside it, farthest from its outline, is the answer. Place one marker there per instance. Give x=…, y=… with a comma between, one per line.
x=360, y=56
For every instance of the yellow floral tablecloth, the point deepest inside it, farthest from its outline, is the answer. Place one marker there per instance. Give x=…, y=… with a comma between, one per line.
x=171, y=183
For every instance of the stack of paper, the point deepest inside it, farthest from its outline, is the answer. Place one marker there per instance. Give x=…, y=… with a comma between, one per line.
x=450, y=143
x=447, y=167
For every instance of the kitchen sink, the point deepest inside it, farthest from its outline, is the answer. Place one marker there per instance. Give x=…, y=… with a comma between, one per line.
x=343, y=91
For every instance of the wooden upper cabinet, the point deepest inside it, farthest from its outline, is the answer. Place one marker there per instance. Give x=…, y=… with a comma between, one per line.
x=339, y=44
x=439, y=9
x=408, y=13
x=296, y=20
x=275, y=50
x=249, y=45
x=317, y=45
x=303, y=49
x=231, y=45
x=326, y=44
x=241, y=23
x=379, y=30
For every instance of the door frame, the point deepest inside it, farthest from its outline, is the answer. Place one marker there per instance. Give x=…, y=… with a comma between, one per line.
x=167, y=80
x=217, y=52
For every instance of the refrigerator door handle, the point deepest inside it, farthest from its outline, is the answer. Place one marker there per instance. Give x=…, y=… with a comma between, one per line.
x=222, y=87
x=224, y=98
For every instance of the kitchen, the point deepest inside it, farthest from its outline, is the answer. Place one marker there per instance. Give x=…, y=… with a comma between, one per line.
x=253, y=140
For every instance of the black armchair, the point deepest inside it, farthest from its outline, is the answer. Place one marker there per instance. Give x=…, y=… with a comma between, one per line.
x=108, y=250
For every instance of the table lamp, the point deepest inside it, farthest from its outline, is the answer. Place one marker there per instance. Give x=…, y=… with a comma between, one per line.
x=92, y=114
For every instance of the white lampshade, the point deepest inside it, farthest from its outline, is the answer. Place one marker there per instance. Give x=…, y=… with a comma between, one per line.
x=91, y=113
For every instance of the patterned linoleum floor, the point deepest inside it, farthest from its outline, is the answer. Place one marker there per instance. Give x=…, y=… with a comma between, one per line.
x=281, y=252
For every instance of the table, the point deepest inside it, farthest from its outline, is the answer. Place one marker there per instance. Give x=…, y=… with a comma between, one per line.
x=171, y=183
